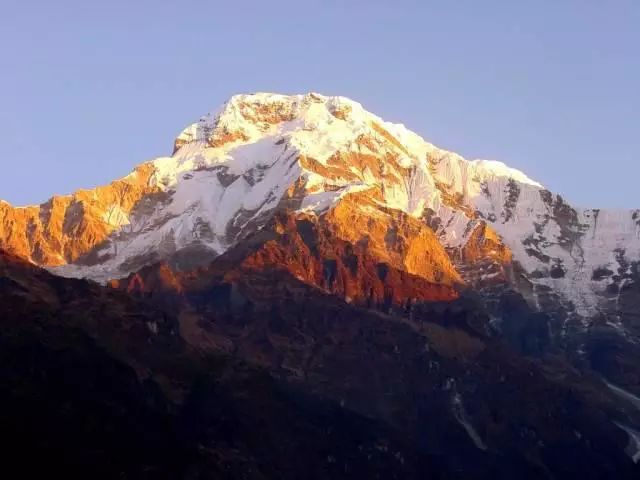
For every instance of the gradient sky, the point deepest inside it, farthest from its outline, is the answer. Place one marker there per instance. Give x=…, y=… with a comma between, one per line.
x=551, y=87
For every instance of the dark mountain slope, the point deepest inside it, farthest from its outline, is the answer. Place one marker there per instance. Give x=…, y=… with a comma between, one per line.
x=430, y=370
x=90, y=388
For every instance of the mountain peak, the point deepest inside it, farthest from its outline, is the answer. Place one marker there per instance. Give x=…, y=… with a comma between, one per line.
x=318, y=126
x=248, y=117
x=233, y=169
x=262, y=154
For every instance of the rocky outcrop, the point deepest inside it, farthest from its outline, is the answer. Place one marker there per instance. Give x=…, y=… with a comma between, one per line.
x=66, y=228
x=483, y=259
x=377, y=260
x=357, y=251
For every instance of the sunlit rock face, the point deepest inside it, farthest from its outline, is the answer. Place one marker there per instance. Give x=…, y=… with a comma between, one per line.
x=375, y=186
x=67, y=227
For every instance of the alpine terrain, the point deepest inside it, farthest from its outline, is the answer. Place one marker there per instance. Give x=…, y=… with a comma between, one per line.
x=413, y=313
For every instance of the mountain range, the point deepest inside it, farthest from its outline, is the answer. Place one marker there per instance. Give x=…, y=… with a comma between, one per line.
x=416, y=314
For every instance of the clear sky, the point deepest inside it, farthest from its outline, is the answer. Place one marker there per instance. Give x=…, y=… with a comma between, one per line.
x=551, y=87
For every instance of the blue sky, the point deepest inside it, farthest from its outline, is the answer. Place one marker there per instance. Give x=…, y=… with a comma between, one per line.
x=551, y=87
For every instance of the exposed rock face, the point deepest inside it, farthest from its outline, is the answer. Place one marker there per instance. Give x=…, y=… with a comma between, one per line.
x=66, y=228
x=395, y=262
x=483, y=259
x=386, y=257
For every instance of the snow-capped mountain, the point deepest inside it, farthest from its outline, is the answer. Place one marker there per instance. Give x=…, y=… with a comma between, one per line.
x=261, y=154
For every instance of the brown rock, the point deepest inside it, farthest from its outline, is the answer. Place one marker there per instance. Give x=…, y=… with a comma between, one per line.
x=64, y=228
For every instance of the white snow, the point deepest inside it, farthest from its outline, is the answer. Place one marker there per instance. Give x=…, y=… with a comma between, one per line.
x=624, y=394
x=461, y=417
x=488, y=168
x=322, y=201
x=633, y=449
